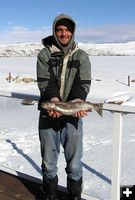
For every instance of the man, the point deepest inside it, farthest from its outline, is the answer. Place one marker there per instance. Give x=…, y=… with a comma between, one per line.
x=63, y=74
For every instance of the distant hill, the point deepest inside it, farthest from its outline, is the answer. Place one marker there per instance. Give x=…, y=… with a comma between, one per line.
x=32, y=49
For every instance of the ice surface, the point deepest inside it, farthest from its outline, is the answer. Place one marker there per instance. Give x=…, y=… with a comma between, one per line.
x=19, y=146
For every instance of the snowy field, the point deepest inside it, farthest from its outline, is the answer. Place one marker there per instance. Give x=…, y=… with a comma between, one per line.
x=19, y=146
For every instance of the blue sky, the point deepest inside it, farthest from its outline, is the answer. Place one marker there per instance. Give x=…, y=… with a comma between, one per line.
x=98, y=21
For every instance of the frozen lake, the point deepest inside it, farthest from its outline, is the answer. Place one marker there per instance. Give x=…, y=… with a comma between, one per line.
x=19, y=146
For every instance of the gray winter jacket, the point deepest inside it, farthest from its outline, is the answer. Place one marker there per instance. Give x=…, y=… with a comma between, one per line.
x=62, y=72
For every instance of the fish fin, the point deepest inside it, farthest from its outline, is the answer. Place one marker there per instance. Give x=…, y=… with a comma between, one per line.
x=99, y=108
x=89, y=110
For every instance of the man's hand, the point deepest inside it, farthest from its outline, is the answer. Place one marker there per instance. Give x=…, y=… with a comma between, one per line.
x=77, y=100
x=54, y=99
x=53, y=113
x=81, y=113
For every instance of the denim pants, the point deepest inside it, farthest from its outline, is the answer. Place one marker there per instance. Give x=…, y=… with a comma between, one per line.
x=67, y=131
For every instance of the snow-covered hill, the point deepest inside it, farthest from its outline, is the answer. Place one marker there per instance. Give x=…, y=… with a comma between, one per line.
x=20, y=50
x=32, y=49
x=116, y=49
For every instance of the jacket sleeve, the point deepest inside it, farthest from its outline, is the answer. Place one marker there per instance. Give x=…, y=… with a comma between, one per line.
x=82, y=81
x=45, y=78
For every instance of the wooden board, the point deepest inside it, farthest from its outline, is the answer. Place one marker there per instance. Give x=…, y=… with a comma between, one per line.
x=13, y=187
x=20, y=186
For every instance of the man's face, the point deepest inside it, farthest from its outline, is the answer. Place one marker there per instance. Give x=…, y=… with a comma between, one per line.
x=63, y=34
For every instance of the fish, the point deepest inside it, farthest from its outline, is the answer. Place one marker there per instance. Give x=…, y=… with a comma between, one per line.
x=70, y=108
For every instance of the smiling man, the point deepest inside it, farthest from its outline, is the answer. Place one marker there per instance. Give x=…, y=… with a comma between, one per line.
x=64, y=31
x=63, y=74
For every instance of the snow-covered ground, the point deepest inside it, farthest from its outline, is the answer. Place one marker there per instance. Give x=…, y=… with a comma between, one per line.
x=19, y=146
x=30, y=50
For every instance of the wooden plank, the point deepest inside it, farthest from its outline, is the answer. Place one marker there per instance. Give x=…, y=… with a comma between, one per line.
x=35, y=97
x=119, y=108
x=19, y=95
x=18, y=188
x=25, y=187
x=5, y=197
x=117, y=156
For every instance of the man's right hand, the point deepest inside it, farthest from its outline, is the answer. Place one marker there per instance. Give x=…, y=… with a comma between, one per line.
x=81, y=113
x=54, y=99
x=53, y=113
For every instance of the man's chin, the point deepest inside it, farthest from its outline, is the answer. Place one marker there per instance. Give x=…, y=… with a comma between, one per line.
x=64, y=43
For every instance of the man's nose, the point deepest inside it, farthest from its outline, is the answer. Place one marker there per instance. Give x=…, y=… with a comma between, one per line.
x=64, y=32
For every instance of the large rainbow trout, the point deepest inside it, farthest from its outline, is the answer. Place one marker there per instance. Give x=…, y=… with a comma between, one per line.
x=70, y=108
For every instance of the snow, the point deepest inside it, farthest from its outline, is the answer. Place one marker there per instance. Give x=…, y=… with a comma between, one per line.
x=31, y=50
x=119, y=99
x=109, y=49
x=20, y=148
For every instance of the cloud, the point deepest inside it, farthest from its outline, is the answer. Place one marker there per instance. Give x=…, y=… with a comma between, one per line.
x=18, y=34
x=107, y=34
x=99, y=34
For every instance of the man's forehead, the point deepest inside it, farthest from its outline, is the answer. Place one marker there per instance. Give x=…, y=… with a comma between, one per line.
x=61, y=27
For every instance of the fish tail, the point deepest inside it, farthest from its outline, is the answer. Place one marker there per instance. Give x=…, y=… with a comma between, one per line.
x=99, y=108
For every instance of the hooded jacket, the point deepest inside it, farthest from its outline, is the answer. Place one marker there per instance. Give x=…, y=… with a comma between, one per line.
x=63, y=72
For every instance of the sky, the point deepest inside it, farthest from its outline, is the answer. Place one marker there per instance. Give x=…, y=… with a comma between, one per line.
x=98, y=21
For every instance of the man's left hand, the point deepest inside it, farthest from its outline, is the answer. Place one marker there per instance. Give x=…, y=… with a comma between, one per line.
x=81, y=114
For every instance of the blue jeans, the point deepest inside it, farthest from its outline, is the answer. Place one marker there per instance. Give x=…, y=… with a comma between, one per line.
x=67, y=131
